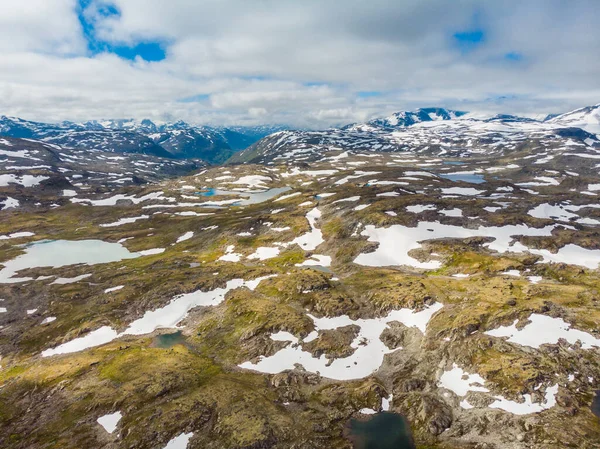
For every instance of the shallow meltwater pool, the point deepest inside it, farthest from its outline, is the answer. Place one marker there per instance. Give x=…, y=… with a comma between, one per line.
x=166, y=341
x=471, y=178
x=248, y=197
x=60, y=253
x=380, y=431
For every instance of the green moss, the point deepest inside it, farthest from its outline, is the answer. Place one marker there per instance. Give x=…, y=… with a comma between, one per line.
x=334, y=229
x=286, y=259
x=11, y=372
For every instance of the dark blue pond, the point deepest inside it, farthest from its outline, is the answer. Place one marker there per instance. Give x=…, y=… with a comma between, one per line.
x=380, y=431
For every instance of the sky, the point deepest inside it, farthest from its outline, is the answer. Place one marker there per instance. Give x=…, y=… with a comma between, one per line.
x=305, y=63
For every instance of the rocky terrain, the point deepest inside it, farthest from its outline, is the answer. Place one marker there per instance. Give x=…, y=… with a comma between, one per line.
x=444, y=270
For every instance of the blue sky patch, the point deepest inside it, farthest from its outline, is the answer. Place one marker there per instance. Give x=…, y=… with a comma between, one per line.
x=195, y=98
x=148, y=51
x=513, y=56
x=468, y=41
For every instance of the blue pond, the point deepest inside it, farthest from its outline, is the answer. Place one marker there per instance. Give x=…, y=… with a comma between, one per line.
x=464, y=177
x=216, y=192
x=166, y=341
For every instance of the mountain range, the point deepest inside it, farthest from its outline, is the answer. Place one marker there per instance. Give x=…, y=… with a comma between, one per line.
x=434, y=131
x=178, y=140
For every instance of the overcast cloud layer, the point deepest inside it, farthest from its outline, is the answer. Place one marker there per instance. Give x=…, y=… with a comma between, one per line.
x=309, y=63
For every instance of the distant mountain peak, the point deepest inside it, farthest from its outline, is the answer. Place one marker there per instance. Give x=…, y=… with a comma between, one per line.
x=403, y=119
x=587, y=118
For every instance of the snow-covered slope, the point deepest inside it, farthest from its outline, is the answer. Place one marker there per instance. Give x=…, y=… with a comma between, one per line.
x=74, y=168
x=407, y=118
x=587, y=118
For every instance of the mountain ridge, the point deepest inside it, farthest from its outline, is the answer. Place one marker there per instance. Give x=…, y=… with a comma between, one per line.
x=178, y=140
x=432, y=131
x=400, y=131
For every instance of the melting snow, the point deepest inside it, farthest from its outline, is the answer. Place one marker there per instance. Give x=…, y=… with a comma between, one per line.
x=62, y=281
x=418, y=208
x=397, y=241
x=184, y=237
x=314, y=237
x=123, y=221
x=544, y=330
x=168, y=316
x=369, y=349
x=230, y=256
x=25, y=180
x=152, y=252
x=109, y=422
x=452, y=212
x=253, y=181
x=179, y=442
x=460, y=382
x=264, y=252
x=16, y=235
x=467, y=191
x=347, y=200
x=285, y=197
x=9, y=203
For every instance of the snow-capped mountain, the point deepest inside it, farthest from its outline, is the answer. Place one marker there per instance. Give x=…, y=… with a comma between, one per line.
x=179, y=140
x=451, y=133
x=407, y=118
x=587, y=118
x=25, y=129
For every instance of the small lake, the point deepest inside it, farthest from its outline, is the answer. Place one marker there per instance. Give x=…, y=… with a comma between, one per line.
x=248, y=197
x=472, y=178
x=59, y=253
x=452, y=163
x=380, y=431
x=166, y=341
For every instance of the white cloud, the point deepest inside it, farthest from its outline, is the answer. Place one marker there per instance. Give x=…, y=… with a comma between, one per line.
x=262, y=61
x=48, y=26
